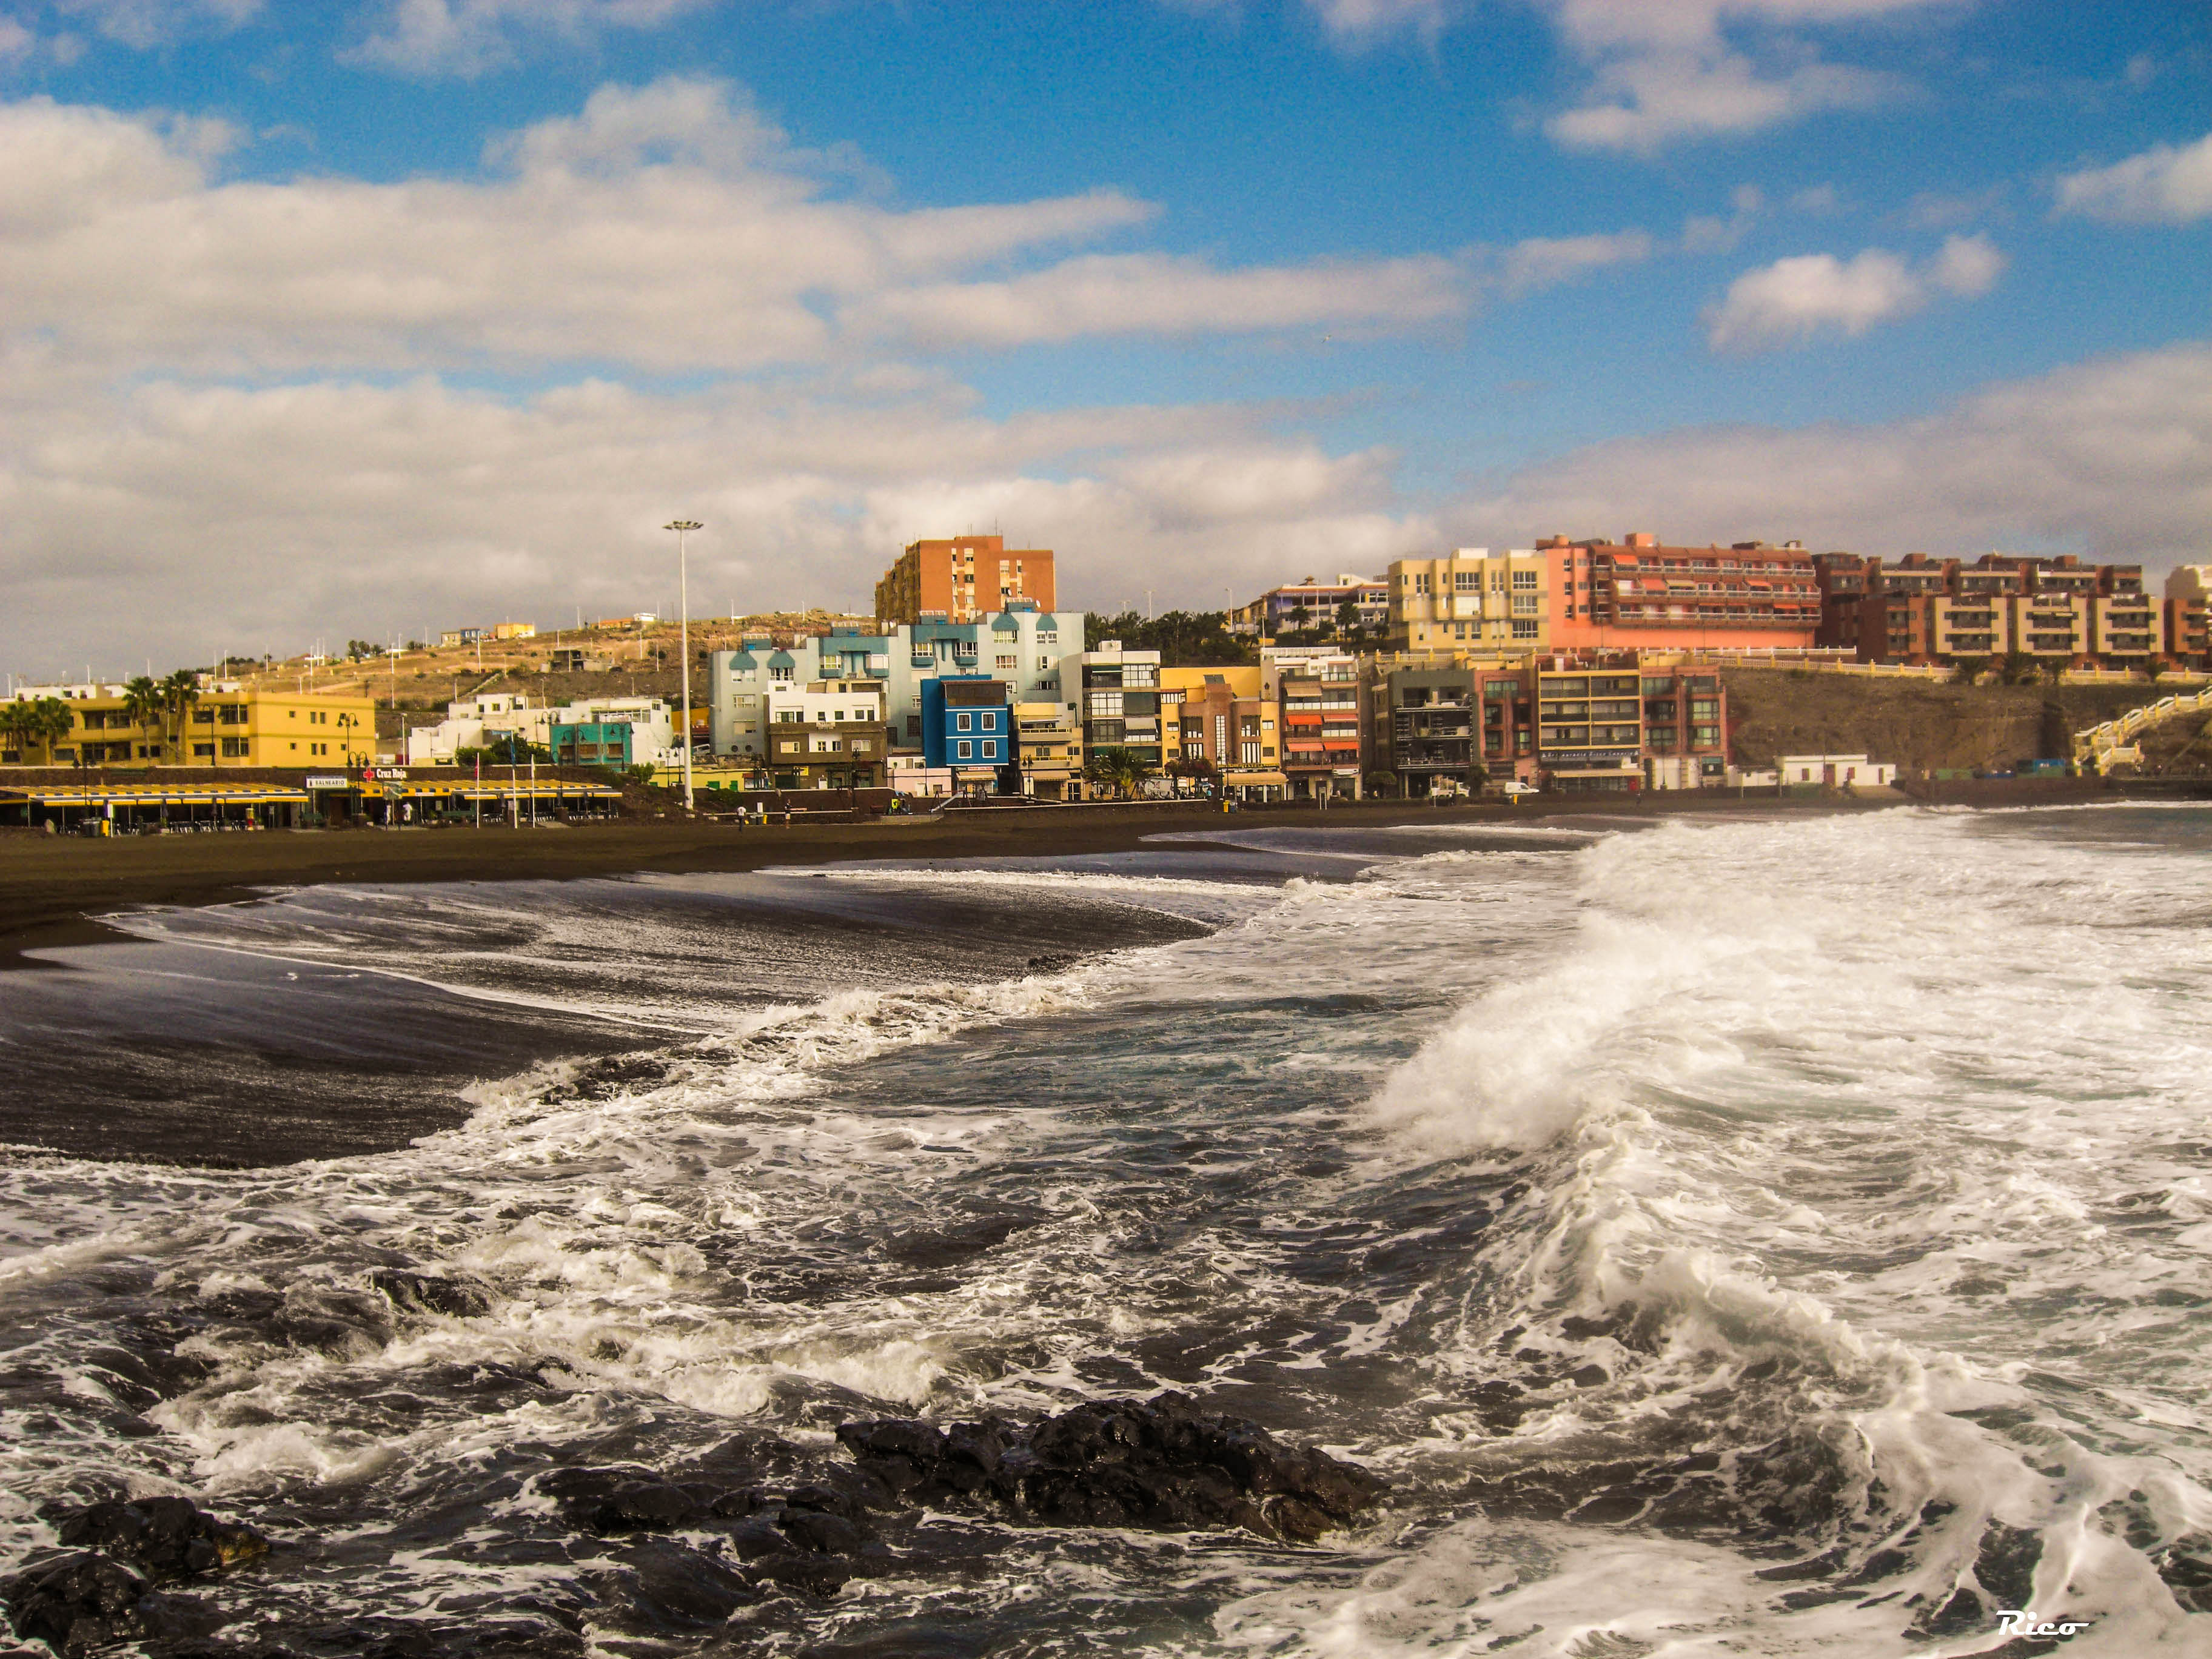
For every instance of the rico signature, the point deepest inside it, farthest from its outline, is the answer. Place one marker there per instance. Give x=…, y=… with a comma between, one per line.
x=2023, y=1623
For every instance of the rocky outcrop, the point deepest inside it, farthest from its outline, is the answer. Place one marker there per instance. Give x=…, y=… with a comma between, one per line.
x=103, y=1591
x=457, y=1296
x=80, y=1602
x=1163, y=1464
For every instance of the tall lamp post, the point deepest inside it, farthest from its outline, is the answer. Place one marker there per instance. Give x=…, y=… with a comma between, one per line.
x=683, y=528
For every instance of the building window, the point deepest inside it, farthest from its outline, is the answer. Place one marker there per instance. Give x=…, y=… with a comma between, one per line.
x=963, y=723
x=1005, y=659
x=1525, y=579
x=963, y=751
x=1523, y=630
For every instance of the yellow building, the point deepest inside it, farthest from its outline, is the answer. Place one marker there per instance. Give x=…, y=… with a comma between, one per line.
x=228, y=725
x=1473, y=600
x=1051, y=751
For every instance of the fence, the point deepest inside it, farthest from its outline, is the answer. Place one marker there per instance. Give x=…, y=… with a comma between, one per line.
x=2113, y=740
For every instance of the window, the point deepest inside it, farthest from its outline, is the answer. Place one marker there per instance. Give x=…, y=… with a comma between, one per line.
x=1523, y=630
x=1525, y=605
x=963, y=751
x=963, y=723
x=1467, y=581
x=1525, y=579
x=234, y=747
x=1004, y=659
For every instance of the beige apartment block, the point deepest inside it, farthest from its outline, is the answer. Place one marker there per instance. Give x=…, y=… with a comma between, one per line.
x=1473, y=599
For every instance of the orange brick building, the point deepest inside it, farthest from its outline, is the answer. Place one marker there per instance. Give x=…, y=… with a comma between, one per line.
x=1636, y=594
x=964, y=579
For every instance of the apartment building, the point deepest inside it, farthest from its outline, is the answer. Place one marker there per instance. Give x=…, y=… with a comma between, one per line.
x=1433, y=727
x=1636, y=594
x=1918, y=609
x=1022, y=645
x=230, y=725
x=968, y=727
x=1319, y=697
x=1116, y=693
x=1589, y=723
x=1686, y=735
x=827, y=734
x=2188, y=593
x=1221, y=717
x=1312, y=602
x=1472, y=599
x=962, y=579
x=1436, y=724
x=1050, y=737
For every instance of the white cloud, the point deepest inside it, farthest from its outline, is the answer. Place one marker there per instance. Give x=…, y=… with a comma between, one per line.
x=1647, y=100
x=1155, y=294
x=348, y=509
x=2164, y=185
x=147, y=23
x=2112, y=459
x=467, y=38
x=1794, y=299
x=1543, y=262
x=1361, y=23
x=666, y=227
x=15, y=40
x=1663, y=70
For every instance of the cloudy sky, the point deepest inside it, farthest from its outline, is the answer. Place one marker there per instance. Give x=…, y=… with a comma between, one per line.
x=358, y=319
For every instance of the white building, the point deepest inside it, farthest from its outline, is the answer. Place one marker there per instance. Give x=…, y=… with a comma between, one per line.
x=1836, y=770
x=473, y=722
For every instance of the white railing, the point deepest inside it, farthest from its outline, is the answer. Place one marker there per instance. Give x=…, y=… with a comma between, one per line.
x=2114, y=739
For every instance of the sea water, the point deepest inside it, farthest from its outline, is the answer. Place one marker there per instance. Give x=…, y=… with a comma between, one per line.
x=1780, y=1236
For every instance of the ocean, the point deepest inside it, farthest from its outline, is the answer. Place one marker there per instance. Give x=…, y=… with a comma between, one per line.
x=1767, y=1235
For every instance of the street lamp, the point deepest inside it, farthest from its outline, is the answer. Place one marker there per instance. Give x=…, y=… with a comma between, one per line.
x=683, y=528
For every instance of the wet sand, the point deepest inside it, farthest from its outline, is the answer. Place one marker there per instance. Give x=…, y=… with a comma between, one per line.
x=53, y=889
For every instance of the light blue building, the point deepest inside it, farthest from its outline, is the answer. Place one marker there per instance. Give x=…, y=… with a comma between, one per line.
x=1021, y=646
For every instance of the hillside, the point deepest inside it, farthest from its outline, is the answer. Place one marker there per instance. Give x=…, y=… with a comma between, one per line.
x=1922, y=726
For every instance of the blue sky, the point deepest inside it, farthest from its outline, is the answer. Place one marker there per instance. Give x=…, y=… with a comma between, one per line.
x=349, y=320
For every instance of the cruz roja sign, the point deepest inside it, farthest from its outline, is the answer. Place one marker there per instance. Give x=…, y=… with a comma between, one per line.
x=384, y=775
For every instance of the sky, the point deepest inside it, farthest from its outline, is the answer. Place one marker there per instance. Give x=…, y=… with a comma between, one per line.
x=362, y=319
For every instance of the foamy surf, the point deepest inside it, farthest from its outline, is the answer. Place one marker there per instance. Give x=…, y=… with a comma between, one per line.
x=1715, y=1261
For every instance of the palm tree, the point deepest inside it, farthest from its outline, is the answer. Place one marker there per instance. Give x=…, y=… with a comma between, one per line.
x=1122, y=770
x=2017, y=669
x=1969, y=669
x=49, y=722
x=142, y=700
x=17, y=722
x=180, y=691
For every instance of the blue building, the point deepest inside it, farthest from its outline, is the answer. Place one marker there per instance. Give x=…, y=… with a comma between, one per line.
x=967, y=725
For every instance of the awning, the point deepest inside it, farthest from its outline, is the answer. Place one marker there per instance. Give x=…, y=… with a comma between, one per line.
x=94, y=795
x=1254, y=781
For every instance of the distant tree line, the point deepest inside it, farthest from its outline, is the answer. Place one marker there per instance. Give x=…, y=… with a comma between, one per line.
x=1181, y=637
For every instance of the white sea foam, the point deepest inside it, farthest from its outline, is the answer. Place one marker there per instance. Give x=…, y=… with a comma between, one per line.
x=1895, y=1167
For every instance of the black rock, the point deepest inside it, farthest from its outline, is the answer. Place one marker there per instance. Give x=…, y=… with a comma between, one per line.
x=163, y=1537
x=457, y=1296
x=77, y=1603
x=1163, y=1464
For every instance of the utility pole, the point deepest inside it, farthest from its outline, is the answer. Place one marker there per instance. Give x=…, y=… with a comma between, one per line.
x=683, y=528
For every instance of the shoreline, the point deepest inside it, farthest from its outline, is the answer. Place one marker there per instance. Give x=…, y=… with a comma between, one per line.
x=54, y=890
